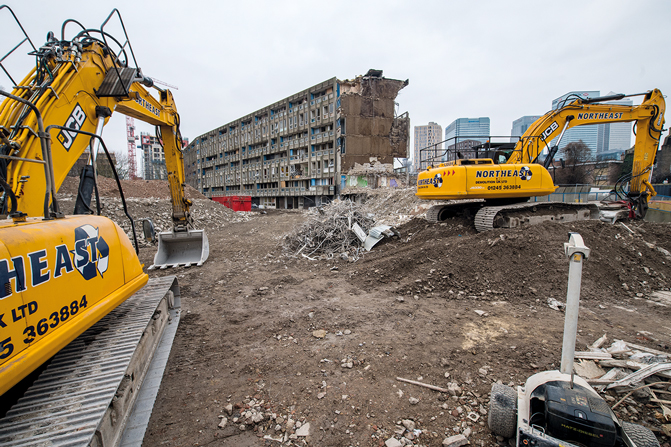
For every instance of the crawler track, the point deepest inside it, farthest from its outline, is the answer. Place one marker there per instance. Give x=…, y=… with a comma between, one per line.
x=519, y=214
x=439, y=213
x=85, y=395
x=513, y=215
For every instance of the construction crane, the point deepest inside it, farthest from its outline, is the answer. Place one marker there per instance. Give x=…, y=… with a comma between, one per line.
x=130, y=134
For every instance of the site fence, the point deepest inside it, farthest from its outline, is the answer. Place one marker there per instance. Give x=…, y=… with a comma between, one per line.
x=583, y=197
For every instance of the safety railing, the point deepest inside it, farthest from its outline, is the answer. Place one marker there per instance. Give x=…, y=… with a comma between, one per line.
x=472, y=146
x=584, y=197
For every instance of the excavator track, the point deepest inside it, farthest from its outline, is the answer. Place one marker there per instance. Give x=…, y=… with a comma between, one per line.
x=86, y=394
x=439, y=213
x=519, y=214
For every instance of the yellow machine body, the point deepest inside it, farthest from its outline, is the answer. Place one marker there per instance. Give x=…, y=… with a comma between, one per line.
x=482, y=179
x=59, y=277
x=61, y=274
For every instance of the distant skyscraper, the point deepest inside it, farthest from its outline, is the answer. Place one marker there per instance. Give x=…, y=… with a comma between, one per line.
x=599, y=138
x=521, y=125
x=615, y=136
x=461, y=129
x=467, y=127
x=588, y=134
x=426, y=136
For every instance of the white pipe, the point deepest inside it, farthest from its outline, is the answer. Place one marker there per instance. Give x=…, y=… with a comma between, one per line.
x=576, y=251
x=571, y=318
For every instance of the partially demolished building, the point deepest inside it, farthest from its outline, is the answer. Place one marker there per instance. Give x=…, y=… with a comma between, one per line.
x=295, y=153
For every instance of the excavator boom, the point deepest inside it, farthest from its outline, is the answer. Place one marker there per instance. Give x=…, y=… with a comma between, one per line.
x=648, y=116
x=78, y=84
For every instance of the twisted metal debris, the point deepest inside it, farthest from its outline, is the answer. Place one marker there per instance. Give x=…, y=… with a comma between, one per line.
x=328, y=232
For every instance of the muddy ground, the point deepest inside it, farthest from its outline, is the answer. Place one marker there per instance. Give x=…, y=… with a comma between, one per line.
x=249, y=332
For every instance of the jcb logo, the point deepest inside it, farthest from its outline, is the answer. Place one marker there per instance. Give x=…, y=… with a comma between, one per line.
x=75, y=121
x=547, y=132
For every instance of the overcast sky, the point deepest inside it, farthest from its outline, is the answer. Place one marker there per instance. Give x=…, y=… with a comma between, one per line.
x=501, y=59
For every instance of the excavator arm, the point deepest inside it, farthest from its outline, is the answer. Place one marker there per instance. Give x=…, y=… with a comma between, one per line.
x=163, y=114
x=72, y=95
x=649, y=118
x=76, y=86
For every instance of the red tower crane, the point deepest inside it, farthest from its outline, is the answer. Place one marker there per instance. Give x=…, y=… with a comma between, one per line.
x=130, y=133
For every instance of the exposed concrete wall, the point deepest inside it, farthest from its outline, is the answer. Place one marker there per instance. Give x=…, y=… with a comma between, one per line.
x=663, y=163
x=367, y=107
x=400, y=136
x=102, y=165
x=303, y=145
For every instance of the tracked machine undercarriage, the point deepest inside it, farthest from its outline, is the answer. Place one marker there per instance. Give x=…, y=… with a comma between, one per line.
x=487, y=216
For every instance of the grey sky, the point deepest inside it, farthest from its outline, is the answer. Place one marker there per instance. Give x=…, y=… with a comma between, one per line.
x=502, y=59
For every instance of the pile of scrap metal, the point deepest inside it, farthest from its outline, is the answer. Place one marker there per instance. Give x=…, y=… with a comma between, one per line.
x=633, y=368
x=342, y=228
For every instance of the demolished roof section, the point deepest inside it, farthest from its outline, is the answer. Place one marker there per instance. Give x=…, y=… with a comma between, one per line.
x=369, y=122
x=373, y=86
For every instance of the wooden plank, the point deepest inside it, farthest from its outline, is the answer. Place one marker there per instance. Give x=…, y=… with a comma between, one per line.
x=661, y=401
x=425, y=385
x=606, y=379
x=644, y=349
x=630, y=364
x=597, y=344
x=592, y=355
x=641, y=374
x=600, y=381
x=614, y=363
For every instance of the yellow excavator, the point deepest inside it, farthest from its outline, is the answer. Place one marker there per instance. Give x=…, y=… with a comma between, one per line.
x=60, y=273
x=496, y=184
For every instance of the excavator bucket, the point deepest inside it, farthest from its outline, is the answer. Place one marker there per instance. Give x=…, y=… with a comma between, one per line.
x=185, y=248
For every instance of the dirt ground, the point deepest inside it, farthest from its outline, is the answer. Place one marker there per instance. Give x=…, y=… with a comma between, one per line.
x=248, y=347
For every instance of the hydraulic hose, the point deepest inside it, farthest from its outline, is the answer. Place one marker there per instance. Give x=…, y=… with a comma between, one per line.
x=10, y=194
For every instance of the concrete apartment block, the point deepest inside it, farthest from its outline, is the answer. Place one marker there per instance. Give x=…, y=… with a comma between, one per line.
x=295, y=153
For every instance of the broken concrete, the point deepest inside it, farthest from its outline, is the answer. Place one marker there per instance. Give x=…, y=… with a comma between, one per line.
x=367, y=106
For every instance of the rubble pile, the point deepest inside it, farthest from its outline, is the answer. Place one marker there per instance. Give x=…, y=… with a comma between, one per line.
x=328, y=232
x=375, y=167
x=206, y=214
x=149, y=199
x=259, y=415
x=107, y=187
x=631, y=375
x=393, y=206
